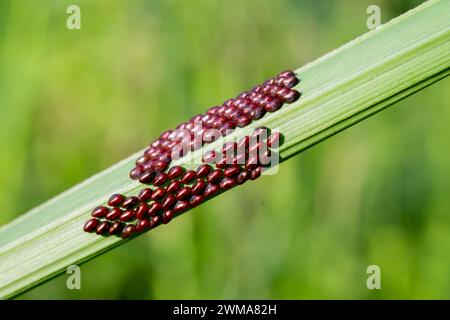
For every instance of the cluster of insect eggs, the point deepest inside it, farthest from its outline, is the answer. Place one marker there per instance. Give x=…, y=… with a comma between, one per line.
x=179, y=190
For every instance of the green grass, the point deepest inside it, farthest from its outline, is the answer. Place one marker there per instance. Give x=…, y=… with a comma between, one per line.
x=339, y=89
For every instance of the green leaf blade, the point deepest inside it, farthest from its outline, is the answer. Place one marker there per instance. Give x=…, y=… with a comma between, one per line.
x=345, y=86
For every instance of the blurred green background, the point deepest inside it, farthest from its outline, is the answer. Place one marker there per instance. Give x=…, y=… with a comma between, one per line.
x=73, y=102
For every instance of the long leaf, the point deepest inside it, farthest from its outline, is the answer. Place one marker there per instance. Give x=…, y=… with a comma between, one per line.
x=343, y=87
